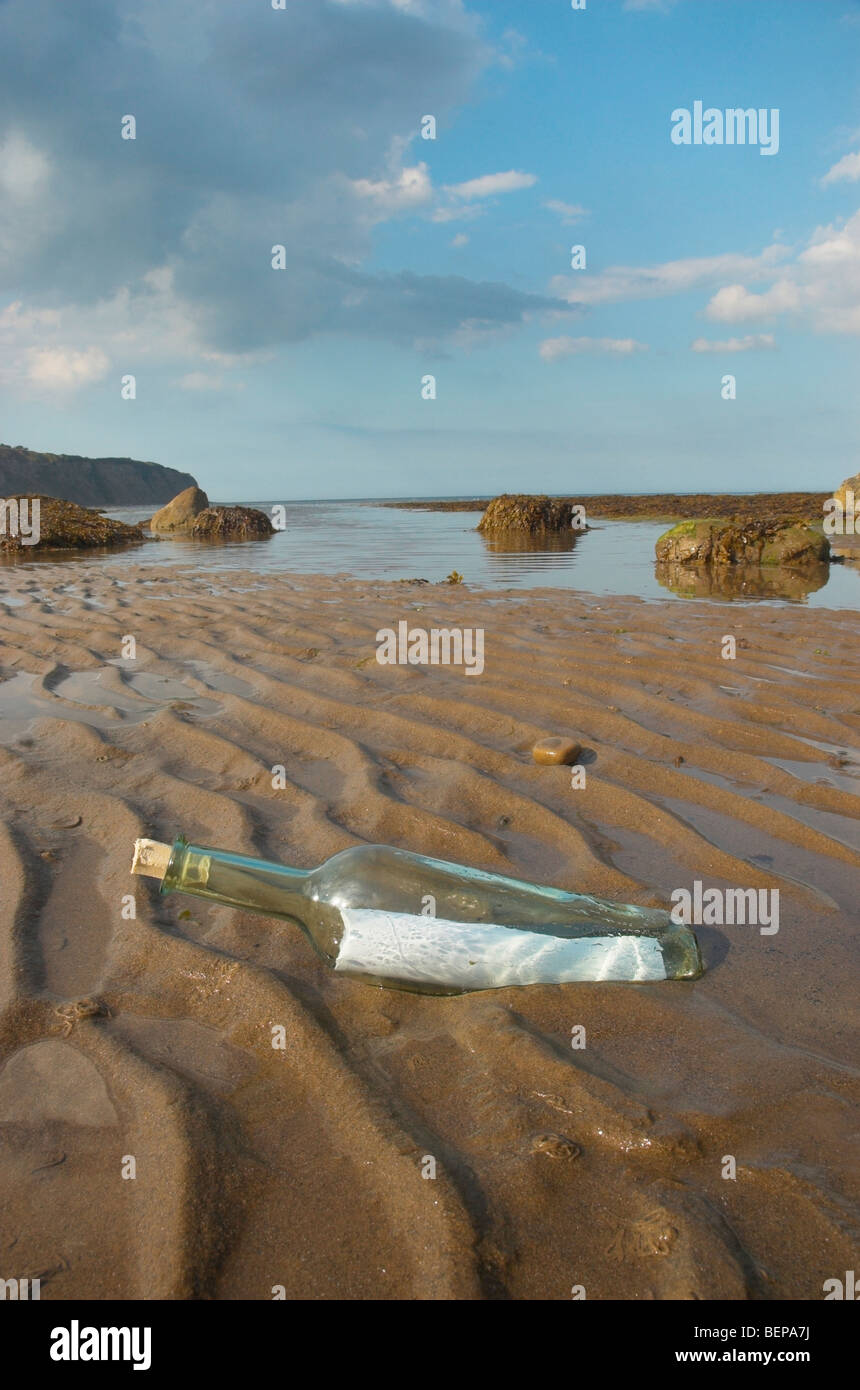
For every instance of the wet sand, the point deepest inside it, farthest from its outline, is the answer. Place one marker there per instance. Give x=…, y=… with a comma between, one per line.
x=149, y=1037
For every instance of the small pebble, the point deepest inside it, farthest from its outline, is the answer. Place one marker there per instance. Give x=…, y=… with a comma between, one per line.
x=556, y=750
x=555, y=1146
x=66, y=822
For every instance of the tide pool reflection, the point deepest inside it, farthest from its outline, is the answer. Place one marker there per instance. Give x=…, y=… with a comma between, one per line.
x=520, y=553
x=729, y=582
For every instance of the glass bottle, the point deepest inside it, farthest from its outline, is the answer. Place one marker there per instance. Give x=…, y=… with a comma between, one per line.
x=408, y=922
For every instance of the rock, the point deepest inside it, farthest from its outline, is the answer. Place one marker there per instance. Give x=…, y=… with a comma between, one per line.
x=520, y=512
x=555, y=1146
x=556, y=750
x=845, y=543
x=850, y=485
x=742, y=542
x=180, y=511
x=65, y=526
x=232, y=524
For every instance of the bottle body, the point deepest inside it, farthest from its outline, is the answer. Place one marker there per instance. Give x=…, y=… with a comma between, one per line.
x=410, y=922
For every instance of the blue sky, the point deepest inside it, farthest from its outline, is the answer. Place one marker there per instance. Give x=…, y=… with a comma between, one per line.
x=405, y=256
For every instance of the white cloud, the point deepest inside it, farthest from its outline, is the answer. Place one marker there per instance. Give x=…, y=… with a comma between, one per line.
x=846, y=169
x=65, y=369
x=23, y=168
x=462, y=205
x=29, y=217
x=451, y=11
x=753, y=342
x=568, y=212
x=460, y=239
x=513, y=48
x=622, y=283
x=346, y=80
x=487, y=185
x=55, y=349
x=821, y=282
x=410, y=188
x=822, y=286
x=551, y=349
x=466, y=213
x=202, y=381
x=735, y=304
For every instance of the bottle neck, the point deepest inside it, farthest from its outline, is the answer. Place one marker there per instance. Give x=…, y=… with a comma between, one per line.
x=237, y=880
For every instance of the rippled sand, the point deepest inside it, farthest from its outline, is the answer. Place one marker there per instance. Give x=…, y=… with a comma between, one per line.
x=256, y=1168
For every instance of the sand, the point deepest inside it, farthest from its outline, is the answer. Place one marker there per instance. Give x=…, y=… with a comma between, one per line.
x=143, y=1043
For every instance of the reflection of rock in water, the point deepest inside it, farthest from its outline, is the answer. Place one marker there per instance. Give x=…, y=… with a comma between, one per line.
x=742, y=581
x=845, y=548
x=508, y=543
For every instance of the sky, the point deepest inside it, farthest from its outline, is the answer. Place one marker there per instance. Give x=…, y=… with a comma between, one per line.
x=405, y=257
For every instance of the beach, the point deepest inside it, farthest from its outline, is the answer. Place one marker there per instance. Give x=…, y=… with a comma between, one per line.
x=154, y=1142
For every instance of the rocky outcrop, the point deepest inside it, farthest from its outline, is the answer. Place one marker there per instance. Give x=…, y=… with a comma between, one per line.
x=180, y=512
x=844, y=528
x=523, y=513
x=850, y=485
x=62, y=526
x=741, y=542
x=107, y=482
x=662, y=506
x=232, y=524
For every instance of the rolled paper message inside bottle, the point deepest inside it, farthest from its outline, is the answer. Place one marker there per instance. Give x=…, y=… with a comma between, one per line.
x=406, y=921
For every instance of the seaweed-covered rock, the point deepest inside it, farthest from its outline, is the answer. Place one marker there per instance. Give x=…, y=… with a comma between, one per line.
x=666, y=506
x=231, y=524
x=181, y=510
x=62, y=526
x=743, y=542
x=842, y=524
x=521, y=512
x=850, y=485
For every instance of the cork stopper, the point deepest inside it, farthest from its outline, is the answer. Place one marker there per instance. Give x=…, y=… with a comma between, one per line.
x=151, y=858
